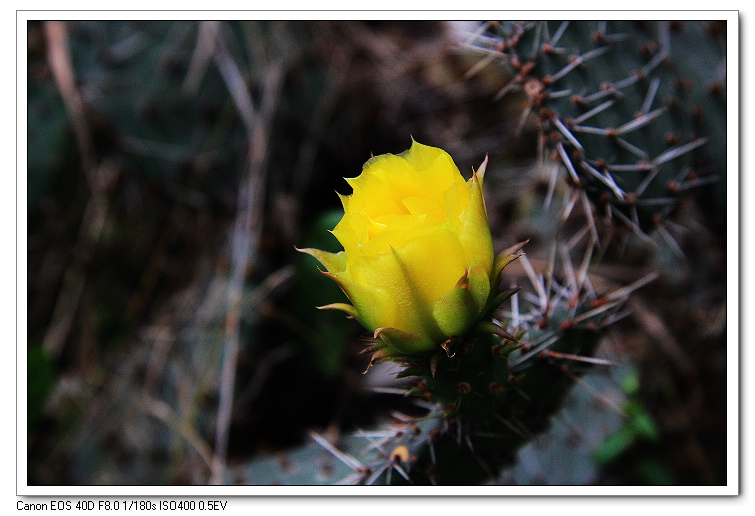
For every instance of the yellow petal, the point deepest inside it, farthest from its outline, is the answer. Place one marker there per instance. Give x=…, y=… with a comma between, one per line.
x=456, y=200
x=474, y=232
x=433, y=262
x=418, y=206
x=434, y=163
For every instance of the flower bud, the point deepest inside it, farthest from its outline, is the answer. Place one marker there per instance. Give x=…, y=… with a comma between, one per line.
x=418, y=263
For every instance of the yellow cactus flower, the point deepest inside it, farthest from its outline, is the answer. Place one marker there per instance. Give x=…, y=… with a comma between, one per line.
x=418, y=263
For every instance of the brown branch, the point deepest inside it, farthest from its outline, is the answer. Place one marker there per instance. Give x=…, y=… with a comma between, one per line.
x=247, y=227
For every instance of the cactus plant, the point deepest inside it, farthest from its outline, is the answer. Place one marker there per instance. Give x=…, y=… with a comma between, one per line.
x=492, y=388
x=629, y=132
x=631, y=116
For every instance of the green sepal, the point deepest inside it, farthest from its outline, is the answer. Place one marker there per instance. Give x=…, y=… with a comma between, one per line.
x=344, y=307
x=333, y=262
x=491, y=327
x=495, y=302
x=506, y=257
x=457, y=310
x=408, y=343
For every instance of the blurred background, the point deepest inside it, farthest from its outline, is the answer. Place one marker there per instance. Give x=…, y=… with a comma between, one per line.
x=173, y=167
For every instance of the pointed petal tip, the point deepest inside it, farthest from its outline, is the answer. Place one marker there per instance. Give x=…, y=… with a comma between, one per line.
x=314, y=253
x=343, y=307
x=515, y=248
x=502, y=260
x=481, y=171
x=311, y=251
